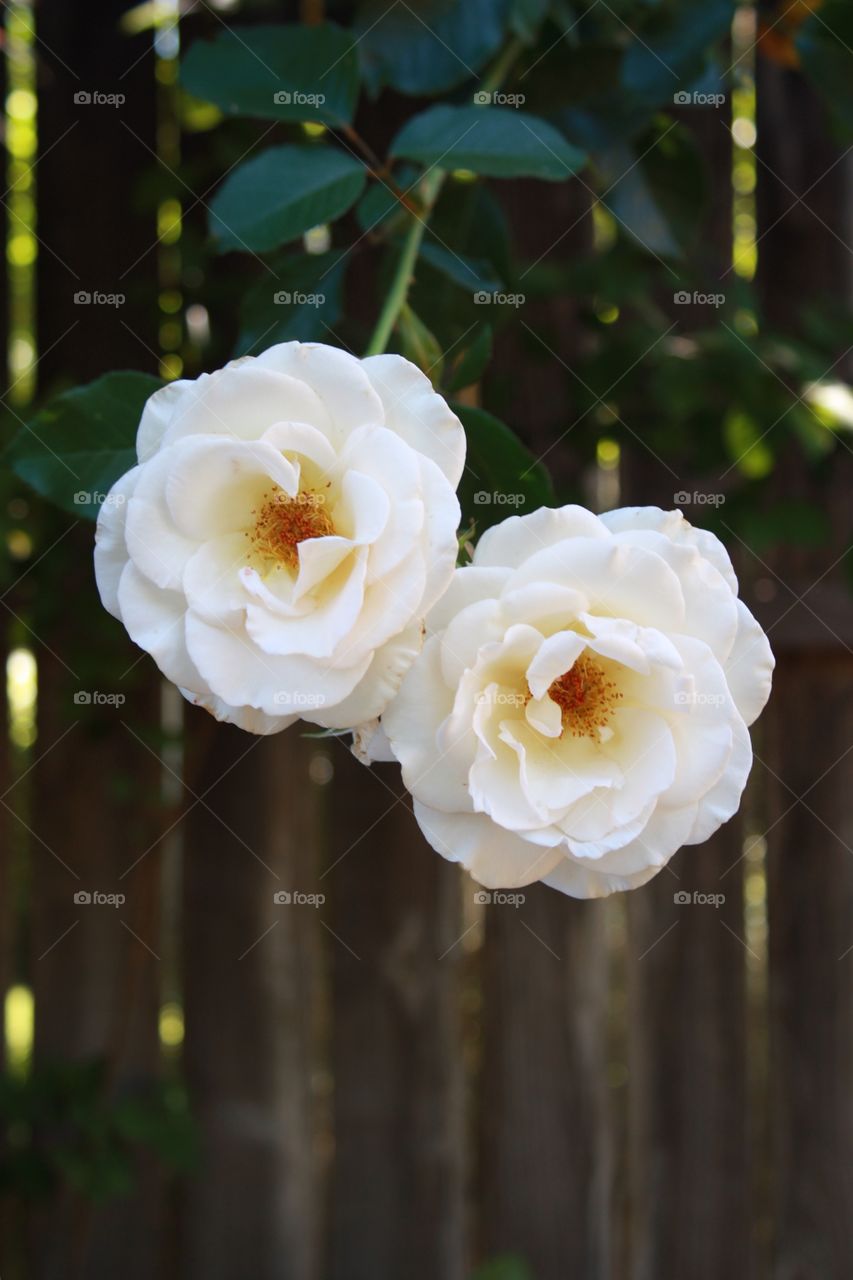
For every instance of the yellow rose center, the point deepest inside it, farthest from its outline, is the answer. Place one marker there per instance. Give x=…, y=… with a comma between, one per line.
x=282, y=522
x=586, y=698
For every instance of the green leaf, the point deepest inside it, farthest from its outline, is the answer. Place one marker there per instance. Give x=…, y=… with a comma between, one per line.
x=277, y=72
x=658, y=198
x=299, y=299
x=470, y=366
x=74, y=450
x=497, y=142
x=276, y=196
x=664, y=59
x=430, y=47
x=419, y=344
x=469, y=217
x=379, y=209
x=501, y=478
x=471, y=274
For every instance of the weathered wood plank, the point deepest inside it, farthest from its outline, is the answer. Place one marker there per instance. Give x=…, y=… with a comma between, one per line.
x=249, y=990
x=546, y=1172
x=811, y=967
x=688, y=1136
x=397, y=1183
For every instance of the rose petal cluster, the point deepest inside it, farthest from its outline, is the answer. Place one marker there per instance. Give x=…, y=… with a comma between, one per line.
x=571, y=707
x=291, y=520
x=580, y=707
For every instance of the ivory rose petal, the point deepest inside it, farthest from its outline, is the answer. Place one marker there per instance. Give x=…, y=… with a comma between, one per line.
x=579, y=710
x=292, y=519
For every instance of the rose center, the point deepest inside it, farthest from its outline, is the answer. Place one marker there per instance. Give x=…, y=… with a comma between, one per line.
x=282, y=522
x=586, y=698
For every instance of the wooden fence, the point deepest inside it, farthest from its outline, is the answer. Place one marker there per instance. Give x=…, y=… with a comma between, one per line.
x=404, y=1082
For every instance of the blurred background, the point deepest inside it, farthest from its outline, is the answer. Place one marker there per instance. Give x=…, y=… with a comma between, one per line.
x=378, y=1075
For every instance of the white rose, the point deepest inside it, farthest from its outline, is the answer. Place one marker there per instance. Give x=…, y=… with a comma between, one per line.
x=291, y=520
x=579, y=709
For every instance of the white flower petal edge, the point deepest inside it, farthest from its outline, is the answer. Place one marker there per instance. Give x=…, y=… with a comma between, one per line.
x=580, y=708
x=292, y=519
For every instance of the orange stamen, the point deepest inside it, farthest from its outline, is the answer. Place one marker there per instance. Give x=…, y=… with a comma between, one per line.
x=585, y=697
x=282, y=522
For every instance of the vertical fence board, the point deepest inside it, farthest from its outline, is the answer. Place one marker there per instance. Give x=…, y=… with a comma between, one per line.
x=811, y=969
x=249, y=986
x=95, y=973
x=546, y=1159
x=687, y=1079
x=95, y=791
x=397, y=1183
x=804, y=200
